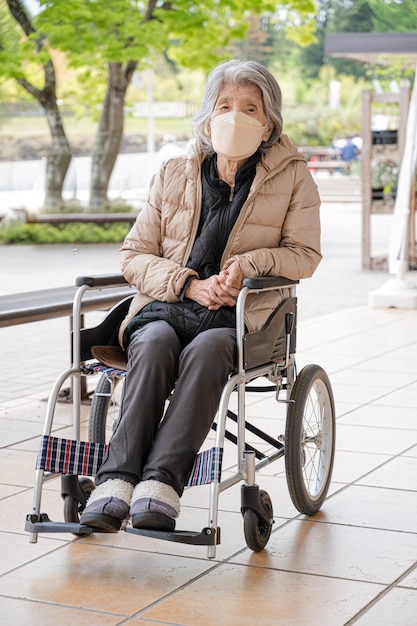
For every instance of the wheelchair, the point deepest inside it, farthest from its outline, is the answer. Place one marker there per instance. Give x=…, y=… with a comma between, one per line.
x=265, y=364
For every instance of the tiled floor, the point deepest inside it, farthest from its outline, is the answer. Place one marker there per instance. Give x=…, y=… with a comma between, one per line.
x=355, y=562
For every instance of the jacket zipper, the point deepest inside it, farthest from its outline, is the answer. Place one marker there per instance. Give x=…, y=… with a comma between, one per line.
x=251, y=196
x=196, y=217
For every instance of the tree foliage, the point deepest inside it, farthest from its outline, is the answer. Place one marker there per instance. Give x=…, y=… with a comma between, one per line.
x=191, y=34
x=131, y=35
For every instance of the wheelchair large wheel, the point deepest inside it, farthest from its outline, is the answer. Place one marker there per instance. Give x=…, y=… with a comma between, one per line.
x=257, y=530
x=104, y=411
x=310, y=439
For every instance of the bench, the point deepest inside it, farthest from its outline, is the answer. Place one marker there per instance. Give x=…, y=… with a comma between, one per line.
x=33, y=306
x=330, y=165
x=83, y=218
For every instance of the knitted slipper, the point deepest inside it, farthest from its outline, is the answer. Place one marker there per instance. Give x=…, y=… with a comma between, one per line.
x=96, y=517
x=155, y=505
x=108, y=506
x=152, y=520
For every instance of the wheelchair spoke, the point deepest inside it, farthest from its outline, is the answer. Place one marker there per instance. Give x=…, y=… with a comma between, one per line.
x=310, y=440
x=105, y=407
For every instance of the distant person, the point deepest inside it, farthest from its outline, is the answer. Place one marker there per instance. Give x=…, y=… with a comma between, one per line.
x=350, y=151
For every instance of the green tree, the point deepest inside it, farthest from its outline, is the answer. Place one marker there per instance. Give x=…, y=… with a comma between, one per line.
x=393, y=15
x=257, y=43
x=124, y=37
x=19, y=58
x=368, y=16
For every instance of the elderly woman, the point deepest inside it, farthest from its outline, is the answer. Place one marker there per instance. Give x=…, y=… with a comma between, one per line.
x=241, y=204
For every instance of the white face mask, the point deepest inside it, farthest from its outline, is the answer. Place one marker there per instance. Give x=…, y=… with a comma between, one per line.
x=235, y=135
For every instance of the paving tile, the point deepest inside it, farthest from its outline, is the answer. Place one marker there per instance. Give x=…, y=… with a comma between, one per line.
x=374, y=440
x=331, y=363
x=13, y=510
x=326, y=549
x=399, y=473
x=405, y=397
x=372, y=507
x=15, y=432
x=358, y=394
x=363, y=375
x=139, y=621
x=16, y=550
x=101, y=578
x=407, y=350
x=397, y=608
x=263, y=597
x=410, y=580
x=17, y=467
x=358, y=345
x=379, y=415
x=411, y=452
x=21, y=612
x=9, y=490
x=389, y=363
x=351, y=466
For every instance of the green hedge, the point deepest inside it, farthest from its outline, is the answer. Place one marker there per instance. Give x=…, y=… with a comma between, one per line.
x=20, y=233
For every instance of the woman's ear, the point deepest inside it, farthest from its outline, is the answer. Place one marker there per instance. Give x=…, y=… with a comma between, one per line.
x=267, y=131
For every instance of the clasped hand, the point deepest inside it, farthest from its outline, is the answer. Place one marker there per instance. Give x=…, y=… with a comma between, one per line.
x=219, y=290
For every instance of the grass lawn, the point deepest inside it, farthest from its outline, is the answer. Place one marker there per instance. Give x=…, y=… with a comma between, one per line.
x=36, y=127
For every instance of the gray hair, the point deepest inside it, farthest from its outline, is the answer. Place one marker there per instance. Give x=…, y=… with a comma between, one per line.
x=237, y=72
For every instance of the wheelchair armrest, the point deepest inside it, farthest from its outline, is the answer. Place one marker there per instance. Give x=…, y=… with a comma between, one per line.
x=262, y=283
x=268, y=282
x=101, y=280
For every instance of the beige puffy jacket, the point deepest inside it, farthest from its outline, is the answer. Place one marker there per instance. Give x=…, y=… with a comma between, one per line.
x=276, y=234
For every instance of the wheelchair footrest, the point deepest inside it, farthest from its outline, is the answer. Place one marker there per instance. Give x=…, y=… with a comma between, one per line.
x=207, y=537
x=43, y=524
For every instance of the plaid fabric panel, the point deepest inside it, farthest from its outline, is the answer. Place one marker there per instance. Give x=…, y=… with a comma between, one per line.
x=66, y=456
x=82, y=458
x=96, y=368
x=207, y=467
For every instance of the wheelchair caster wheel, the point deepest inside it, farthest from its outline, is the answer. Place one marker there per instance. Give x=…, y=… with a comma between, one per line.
x=258, y=530
x=73, y=507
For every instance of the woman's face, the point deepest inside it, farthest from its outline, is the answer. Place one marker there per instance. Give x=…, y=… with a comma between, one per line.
x=242, y=98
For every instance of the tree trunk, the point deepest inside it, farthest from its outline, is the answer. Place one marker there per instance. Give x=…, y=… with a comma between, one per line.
x=59, y=157
x=59, y=154
x=110, y=132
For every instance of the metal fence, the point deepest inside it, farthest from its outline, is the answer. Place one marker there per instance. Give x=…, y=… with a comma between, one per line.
x=138, y=109
x=28, y=109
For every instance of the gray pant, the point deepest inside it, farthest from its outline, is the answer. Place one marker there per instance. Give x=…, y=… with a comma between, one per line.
x=143, y=447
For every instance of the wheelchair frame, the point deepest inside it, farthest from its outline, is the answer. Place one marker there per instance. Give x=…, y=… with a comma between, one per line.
x=268, y=353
